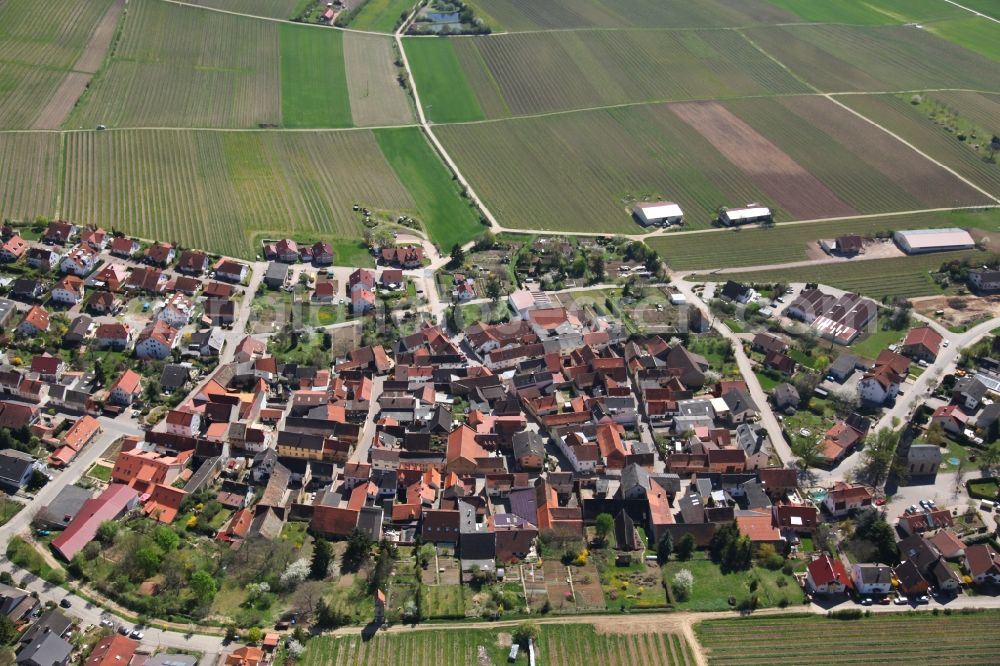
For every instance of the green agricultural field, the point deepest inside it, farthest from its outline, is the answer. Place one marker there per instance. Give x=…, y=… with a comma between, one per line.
x=520, y=15
x=557, y=644
x=888, y=639
x=444, y=91
x=29, y=173
x=38, y=49
x=872, y=12
x=906, y=277
x=282, y=9
x=988, y=7
x=447, y=218
x=973, y=32
x=802, y=156
x=533, y=73
x=306, y=101
x=837, y=58
x=376, y=97
x=224, y=191
x=381, y=15
x=915, y=127
x=176, y=66
x=785, y=243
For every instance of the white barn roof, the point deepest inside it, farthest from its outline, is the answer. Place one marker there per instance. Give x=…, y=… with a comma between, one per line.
x=659, y=210
x=918, y=239
x=750, y=213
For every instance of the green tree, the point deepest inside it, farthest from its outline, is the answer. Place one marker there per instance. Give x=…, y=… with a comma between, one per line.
x=524, y=632
x=166, y=538
x=457, y=256
x=358, y=551
x=604, y=524
x=494, y=288
x=320, y=565
x=685, y=547
x=254, y=635
x=664, y=548
x=809, y=452
x=486, y=241
x=8, y=632
x=204, y=586
x=878, y=458
x=106, y=532
x=148, y=559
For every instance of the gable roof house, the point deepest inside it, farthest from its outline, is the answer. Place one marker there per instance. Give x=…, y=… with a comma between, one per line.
x=827, y=575
x=110, y=505
x=922, y=344
x=982, y=563
x=35, y=321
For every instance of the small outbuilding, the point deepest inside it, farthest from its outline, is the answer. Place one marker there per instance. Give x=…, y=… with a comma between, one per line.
x=731, y=217
x=920, y=241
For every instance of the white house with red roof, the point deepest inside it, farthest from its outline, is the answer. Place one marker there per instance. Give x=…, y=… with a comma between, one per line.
x=844, y=498
x=922, y=344
x=79, y=261
x=157, y=340
x=827, y=575
x=68, y=291
x=126, y=388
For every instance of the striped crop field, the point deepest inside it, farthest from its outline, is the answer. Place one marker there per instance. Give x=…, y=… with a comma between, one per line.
x=532, y=15
x=223, y=191
x=905, y=277
x=802, y=156
x=888, y=639
x=870, y=12
x=381, y=15
x=29, y=169
x=39, y=47
x=182, y=66
x=532, y=73
x=786, y=243
x=178, y=66
x=375, y=94
x=557, y=645
x=282, y=9
x=912, y=125
x=839, y=58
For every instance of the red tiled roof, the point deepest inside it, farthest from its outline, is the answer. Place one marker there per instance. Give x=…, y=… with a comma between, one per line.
x=92, y=513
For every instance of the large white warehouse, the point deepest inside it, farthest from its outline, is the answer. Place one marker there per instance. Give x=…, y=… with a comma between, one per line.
x=918, y=241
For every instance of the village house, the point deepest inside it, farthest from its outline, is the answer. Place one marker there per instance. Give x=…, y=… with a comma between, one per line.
x=59, y=233
x=79, y=261
x=156, y=341
x=13, y=249
x=126, y=388
x=34, y=322
x=844, y=499
x=922, y=344
x=68, y=291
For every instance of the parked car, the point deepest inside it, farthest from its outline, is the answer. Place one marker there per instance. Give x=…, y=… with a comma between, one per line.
x=867, y=601
x=136, y=634
x=65, y=602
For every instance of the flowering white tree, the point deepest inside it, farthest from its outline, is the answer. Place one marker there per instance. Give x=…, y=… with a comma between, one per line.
x=296, y=572
x=294, y=648
x=682, y=584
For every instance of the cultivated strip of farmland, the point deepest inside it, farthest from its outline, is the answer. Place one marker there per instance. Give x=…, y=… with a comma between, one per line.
x=865, y=166
x=785, y=243
x=578, y=172
x=870, y=12
x=445, y=92
x=38, y=49
x=772, y=170
x=909, y=123
x=375, y=95
x=885, y=639
x=282, y=9
x=973, y=32
x=180, y=66
x=29, y=170
x=381, y=15
x=837, y=58
x=313, y=78
x=546, y=72
x=905, y=277
x=518, y=15
x=223, y=191
x=447, y=217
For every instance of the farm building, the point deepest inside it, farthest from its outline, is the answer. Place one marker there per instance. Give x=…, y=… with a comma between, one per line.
x=732, y=217
x=919, y=241
x=658, y=214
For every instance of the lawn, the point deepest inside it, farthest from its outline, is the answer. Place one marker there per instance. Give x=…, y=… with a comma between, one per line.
x=445, y=601
x=767, y=383
x=313, y=78
x=713, y=589
x=635, y=586
x=102, y=472
x=875, y=342
x=883, y=638
x=381, y=15
x=24, y=555
x=984, y=488
x=349, y=252
x=8, y=509
x=444, y=91
x=447, y=217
